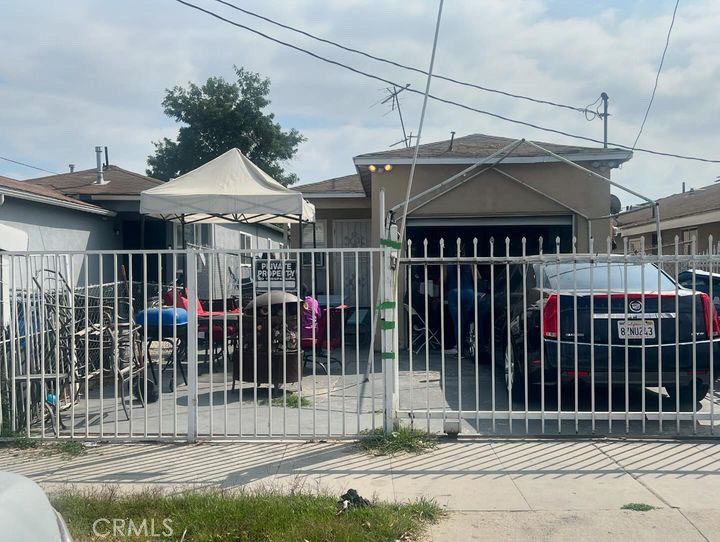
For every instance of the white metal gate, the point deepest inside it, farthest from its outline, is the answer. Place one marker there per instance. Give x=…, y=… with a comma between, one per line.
x=123, y=345
x=598, y=343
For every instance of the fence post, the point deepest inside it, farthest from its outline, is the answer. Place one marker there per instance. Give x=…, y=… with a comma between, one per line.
x=388, y=326
x=192, y=338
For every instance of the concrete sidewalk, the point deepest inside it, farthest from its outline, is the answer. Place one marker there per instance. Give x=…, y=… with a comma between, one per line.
x=495, y=489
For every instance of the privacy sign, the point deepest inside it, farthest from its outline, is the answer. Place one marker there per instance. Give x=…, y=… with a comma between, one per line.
x=269, y=275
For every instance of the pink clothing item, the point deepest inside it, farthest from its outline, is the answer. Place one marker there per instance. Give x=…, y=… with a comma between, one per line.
x=310, y=317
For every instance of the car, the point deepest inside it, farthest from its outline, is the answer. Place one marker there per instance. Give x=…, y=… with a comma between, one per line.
x=703, y=281
x=26, y=512
x=629, y=316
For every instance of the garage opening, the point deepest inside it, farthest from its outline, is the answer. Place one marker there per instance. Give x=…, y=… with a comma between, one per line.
x=484, y=229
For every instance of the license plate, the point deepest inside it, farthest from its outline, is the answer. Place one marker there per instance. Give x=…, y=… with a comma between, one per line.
x=634, y=329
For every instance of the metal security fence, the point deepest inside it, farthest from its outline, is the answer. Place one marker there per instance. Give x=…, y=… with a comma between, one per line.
x=486, y=339
x=514, y=339
x=191, y=344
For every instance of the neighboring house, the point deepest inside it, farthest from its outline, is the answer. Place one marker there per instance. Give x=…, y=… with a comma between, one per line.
x=692, y=214
x=529, y=194
x=54, y=221
x=50, y=221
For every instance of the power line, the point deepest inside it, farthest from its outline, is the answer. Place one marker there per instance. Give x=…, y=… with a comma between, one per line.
x=27, y=165
x=444, y=100
x=583, y=110
x=657, y=76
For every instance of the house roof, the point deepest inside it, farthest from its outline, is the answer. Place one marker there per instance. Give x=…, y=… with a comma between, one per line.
x=45, y=194
x=121, y=182
x=470, y=148
x=691, y=202
x=345, y=186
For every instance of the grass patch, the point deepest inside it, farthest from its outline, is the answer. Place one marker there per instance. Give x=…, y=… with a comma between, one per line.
x=292, y=401
x=637, y=507
x=402, y=439
x=17, y=440
x=67, y=448
x=219, y=516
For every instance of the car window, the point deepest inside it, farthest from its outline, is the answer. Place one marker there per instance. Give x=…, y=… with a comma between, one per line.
x=637, y=277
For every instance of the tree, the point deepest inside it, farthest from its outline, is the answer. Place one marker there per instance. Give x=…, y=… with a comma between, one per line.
x=218, y=116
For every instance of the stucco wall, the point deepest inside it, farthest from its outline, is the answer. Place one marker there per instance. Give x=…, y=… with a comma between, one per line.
x=492, y=195
x=51, y=228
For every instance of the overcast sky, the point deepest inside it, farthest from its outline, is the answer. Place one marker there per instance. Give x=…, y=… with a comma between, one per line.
x=80, y=73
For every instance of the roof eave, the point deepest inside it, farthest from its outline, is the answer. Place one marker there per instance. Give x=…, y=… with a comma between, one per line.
x=615, y=154
x=19, y=194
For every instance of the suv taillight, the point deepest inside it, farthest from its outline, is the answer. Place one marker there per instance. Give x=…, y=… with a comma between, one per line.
x=711, y=315
x=550, y=316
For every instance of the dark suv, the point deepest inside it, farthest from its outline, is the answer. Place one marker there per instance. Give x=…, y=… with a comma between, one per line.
x=598, y=319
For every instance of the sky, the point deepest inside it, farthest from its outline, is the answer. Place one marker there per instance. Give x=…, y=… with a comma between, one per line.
x=81, y=73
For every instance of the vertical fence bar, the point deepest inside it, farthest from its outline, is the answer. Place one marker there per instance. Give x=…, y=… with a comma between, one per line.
x=13, y=347
x=493, y=361
x=328, y=361
x=509, y=354
x=284, y=345
x=192, y=347
x=87, y=346
x=592, y=335
x=314, y=348
x=427, y=332
x=443, y=271
x=357, y=336
x=73, y=351
x=627, y=353
x=643, y=327
x=711, y=332
x=610, y=335
x=677, y=341
x=460, y=338
x=541, y=283
x=147, y=365
x=160, y=358
x=103, y=331
x=524, y=326
x=175, y=340
x=341, y=257
x=27, y=316
x=411, y=334
x=559, y=337
x=576, y=378
x=116, y=348
x=476, y=335
x=661, y=313
x=694, y=334
x=131, y=316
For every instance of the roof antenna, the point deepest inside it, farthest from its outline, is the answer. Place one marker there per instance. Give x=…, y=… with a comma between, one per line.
x=452, y=138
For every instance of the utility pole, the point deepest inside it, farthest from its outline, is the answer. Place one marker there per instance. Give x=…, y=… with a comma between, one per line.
x=604, y=115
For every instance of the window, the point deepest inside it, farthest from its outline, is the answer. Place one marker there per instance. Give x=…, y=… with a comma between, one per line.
x=320, y=242
x=635, y=246
x=195, y=235
x=688, y=236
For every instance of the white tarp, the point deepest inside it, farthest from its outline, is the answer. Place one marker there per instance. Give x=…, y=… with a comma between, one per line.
x=228, y=189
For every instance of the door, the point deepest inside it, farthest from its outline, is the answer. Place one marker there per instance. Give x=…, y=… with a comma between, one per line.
x=352, y=234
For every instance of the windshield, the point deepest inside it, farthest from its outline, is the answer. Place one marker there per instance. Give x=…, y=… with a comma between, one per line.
x=635, y=279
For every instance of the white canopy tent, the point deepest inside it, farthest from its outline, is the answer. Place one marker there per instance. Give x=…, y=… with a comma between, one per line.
x=228, y=189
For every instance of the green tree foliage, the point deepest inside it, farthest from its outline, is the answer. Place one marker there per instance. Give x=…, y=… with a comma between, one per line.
x=218, y=116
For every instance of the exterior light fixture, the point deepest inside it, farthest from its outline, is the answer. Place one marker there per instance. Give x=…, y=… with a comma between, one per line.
x=372, y=168
x=387, y=167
